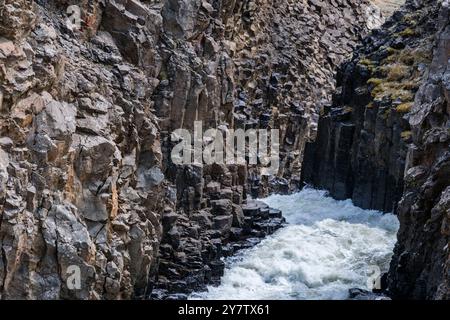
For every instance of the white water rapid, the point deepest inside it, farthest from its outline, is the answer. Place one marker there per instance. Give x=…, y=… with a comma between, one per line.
x=328, y=247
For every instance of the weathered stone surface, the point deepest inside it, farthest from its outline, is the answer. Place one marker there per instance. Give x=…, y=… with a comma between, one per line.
x=421, y=262
x=384, y=142
x=86, y=179
x=364, y=133
x=76, y=133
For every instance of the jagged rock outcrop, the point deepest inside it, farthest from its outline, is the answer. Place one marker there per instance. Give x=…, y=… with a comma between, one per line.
x=79, y=151
x=384, y=142
x=257, y=65
x=86, y=178
x=85, y=120
x=363, y=135
x=420, y=268
x=86, y=114
x=286, y=71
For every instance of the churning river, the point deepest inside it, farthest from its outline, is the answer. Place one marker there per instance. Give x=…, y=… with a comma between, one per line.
x=327, y=248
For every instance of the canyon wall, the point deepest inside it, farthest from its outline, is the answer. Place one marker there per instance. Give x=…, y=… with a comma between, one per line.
x=363, y=135
x=420, y=268
x=384, y=142
x=81, y=179
x=86, y=114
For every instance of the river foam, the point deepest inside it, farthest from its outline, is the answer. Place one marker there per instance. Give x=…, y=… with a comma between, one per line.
x=328, y=247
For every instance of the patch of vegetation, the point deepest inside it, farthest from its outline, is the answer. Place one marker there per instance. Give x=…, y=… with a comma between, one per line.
x=410, y=19
x=393, y=90
x=404, y=107
x=406, y=135
x=410, y=57
x=397, y=72
x=398, y=76
x=408, y=32
x=375, y=81
x=402, y=95
x=391, y=51
x=366, y=62
x=411, y=85
x=163, y=75
x=369, y=64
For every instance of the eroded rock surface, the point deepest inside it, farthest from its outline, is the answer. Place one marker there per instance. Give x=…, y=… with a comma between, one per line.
x=85, y=120
x=384, y=142
x=364, y=134
x=77, y=137
x=421, y=263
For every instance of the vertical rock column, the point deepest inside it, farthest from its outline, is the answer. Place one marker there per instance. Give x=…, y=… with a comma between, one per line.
x=364, y=133
x=420, y=268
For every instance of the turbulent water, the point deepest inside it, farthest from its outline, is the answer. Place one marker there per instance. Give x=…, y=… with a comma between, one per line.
x=328, y=247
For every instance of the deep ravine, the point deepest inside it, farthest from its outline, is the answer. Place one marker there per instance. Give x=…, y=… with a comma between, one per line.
x=87, y=178
x=384, y=142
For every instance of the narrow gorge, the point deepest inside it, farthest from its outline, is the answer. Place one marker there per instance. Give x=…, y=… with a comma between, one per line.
x=92, y=91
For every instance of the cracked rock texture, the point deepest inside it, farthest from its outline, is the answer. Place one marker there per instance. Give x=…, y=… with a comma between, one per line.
x=384, y=142
x=85, y=120
x=80, y=153
x=420, y=268
x=364, y=133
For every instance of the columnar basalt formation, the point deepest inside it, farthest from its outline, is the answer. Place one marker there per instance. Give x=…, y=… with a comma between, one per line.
x=286, y=71
x=384, y=142
x=81, y=180
x=364, y=133
x=86, y=115
x=420, y=268
x=257, y=65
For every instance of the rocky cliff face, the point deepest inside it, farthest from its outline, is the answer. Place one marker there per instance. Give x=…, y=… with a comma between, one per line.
x=420, y=267
x=86, y=114
x=81, y=180
x=384, y=142
x=364, y=134
x=85, y=119
x=260, y=65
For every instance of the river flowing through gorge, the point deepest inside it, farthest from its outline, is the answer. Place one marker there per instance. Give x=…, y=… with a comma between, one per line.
x=93, y=95
x=327, y=248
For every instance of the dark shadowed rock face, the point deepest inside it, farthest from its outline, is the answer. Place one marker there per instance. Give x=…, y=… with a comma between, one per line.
x=384, y=142
x=363, y=135
x=421, y=264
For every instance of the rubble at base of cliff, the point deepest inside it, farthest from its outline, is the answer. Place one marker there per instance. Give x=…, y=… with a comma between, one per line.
x=191, y=270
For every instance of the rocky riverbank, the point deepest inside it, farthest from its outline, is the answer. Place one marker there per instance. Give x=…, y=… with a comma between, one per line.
x=218, y=234
x=363, y=136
